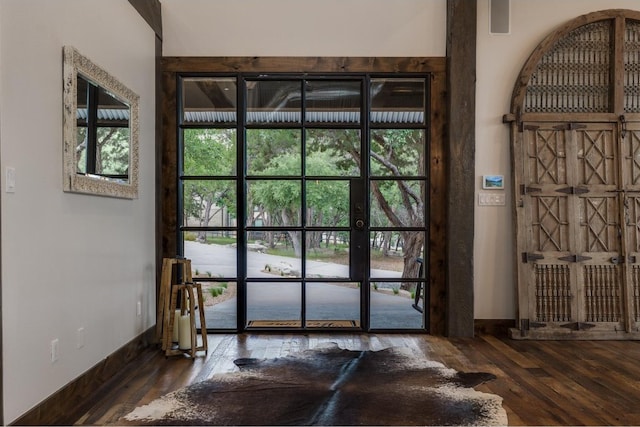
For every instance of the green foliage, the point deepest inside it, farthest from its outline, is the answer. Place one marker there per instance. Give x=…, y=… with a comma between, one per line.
x=216, y=291
x=276, y=201
x=209, y=152
x=112, y=150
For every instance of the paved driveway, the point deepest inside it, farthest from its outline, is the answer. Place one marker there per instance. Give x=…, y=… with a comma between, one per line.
x=283, y=301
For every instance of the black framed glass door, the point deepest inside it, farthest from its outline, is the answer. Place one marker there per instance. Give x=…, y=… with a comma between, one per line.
x=303, y=199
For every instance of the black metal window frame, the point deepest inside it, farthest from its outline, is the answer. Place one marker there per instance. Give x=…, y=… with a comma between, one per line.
x=241, y=229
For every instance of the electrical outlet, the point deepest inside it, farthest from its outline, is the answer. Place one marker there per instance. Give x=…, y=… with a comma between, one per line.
x=54, y=350
x=80, y=338
x=10, y=180
x=139, y=309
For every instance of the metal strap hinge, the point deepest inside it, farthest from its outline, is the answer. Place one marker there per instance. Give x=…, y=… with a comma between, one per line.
x=529, y=257
x=574, y=258
x=524, y=190
x=573, y=190
x=578, y=326
x=569, y=126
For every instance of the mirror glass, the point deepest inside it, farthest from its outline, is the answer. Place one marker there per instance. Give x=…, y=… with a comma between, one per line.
x=100, y=130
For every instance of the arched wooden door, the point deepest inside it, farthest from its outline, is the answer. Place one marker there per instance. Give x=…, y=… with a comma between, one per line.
x=575, y=143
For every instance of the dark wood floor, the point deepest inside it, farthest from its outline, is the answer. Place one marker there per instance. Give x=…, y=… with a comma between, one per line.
x=541, y=382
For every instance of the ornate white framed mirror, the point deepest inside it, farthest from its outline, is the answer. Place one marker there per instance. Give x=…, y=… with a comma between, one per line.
x=100, y=130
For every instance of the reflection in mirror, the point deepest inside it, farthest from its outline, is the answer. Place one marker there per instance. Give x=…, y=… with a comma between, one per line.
x=100, y=130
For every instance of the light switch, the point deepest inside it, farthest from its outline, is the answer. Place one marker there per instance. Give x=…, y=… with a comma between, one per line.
x=10, y=177
x=491, y=199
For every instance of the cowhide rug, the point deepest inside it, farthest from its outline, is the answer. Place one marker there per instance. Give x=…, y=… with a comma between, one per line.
x=330, y=386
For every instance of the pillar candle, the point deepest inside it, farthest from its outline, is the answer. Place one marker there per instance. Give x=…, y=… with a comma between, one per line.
x=184, y=336
x=176, y=328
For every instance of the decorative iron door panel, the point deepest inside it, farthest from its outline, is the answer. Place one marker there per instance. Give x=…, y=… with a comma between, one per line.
x=571, y=274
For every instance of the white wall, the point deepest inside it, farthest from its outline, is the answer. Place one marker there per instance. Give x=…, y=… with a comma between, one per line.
x=304, y=27
x=500, y=58
x=69, y=261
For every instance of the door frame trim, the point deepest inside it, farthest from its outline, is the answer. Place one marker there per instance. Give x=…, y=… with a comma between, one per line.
x=435, y=66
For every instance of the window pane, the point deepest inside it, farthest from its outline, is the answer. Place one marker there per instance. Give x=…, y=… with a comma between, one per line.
x=327, y=203
x=332, y=101
x=213, y=253
x=112, y=152
x=333, y=152
x=111, y=111
x=278, y=258
x=397, y=254
x=274, y=152
x=274, y=304
x=209, y=203
x=209, y=100
x=273, y=102
x=397, y=203
x=220, y=305
x=392, y=306
x=327, y=254
x=209, y=152
x=333, y=305
x=397, y=152
x=397, y=100
x=274, y=203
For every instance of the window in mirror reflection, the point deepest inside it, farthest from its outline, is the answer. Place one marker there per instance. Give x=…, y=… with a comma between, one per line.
x=103, y=138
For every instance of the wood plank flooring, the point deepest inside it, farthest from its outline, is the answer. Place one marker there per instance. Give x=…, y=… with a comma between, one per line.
x=541, y=382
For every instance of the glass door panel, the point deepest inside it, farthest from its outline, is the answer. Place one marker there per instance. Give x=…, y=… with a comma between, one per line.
x=332, y=304
x=209, y=100
x=274, y=304
x=273, y=152
x=213, y=258
x=397, y=280
x=393, y=309
x=327, y=255
x=338, y=148
x=274, y=203
x=327, y=203
x=273, y=101
x=209, y=152
x=275, y=257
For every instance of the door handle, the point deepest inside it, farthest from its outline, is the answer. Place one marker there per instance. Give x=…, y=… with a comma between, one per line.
x=359, y=224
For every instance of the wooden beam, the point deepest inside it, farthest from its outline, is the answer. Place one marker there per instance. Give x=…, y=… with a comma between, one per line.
x=323, y=64
x=438, y=206
x=150, y=11
x=461, y=85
